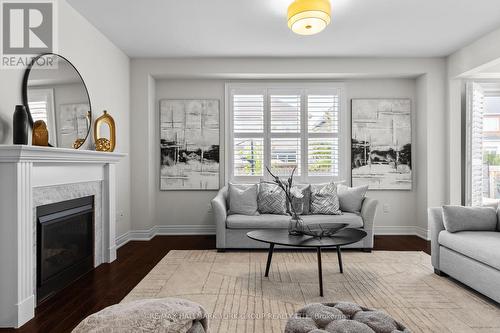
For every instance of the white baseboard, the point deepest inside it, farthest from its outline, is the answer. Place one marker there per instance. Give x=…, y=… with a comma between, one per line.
x=145, y=235
x=168, y=230
x=402, y=230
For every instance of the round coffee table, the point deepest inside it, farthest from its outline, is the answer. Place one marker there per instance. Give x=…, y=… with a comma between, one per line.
x=281, y=237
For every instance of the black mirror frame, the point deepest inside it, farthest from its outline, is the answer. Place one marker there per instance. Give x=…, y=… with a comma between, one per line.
x=24, y=89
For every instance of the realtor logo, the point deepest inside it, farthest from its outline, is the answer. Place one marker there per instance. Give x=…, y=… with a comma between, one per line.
x=27, y=30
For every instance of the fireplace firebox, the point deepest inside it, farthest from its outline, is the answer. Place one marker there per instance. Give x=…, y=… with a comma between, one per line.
x=65, y=244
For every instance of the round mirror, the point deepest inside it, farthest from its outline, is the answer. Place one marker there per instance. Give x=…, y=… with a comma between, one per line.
x=55, y=93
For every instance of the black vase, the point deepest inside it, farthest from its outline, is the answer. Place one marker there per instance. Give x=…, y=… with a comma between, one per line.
x=20, y=126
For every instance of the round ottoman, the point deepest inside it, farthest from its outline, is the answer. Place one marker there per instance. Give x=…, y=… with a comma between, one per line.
x=342, y=317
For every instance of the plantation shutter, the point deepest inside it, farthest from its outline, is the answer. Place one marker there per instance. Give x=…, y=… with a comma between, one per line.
x=248, y=141
x=475, y=111
x=323, y=117
x=248, y=113
x=285, y=127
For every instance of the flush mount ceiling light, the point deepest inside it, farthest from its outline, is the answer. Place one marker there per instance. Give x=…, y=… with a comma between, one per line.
x=308, y=17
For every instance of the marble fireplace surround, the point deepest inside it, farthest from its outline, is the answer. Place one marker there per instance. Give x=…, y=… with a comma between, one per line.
x=32, y=176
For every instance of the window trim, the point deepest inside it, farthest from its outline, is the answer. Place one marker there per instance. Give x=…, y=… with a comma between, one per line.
x=263, y=87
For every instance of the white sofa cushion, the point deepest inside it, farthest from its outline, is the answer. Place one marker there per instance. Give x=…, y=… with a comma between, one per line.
x=243, y=199
x=459, y=218
x=482, y=246
x=272, y=221
x=351, y=198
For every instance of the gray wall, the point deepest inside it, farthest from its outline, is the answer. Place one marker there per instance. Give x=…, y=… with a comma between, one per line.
x=421, y=79
x=106, y=71
x=186, y=207
x=192, y=207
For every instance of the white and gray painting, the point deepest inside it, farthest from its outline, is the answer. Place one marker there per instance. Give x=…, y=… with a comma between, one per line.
x=381, y=144
x=189, y=144
x=73, y=123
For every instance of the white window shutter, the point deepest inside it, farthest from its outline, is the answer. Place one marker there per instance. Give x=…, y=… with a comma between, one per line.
x=285, y=126
x=475, y=111
x=285, y=113
x=248, y=113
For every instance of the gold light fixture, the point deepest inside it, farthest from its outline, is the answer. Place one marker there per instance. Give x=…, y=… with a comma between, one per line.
x=308, y=17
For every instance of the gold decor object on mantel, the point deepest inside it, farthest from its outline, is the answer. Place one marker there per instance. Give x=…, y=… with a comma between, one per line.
x=103, y=143
x=40, y=135
x=78, y=143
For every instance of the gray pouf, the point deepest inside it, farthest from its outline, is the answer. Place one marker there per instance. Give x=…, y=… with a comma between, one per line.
x=342, y=317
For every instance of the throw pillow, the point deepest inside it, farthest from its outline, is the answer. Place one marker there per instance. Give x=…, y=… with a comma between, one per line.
x=351, y=198
x=243, y=199
x=271, y=199
x=459, y=218
x=302, y=201
x=324, y=199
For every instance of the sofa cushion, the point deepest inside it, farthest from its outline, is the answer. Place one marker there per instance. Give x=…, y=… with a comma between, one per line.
x=243, y=199
x=324, y=199
x=272, y=221
x=271, y=199
x=351, y=198
x=262, y=221
x=354, y=220
x=482, y=246
x=459, y=218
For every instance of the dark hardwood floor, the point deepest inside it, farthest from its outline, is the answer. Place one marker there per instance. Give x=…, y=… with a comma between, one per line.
x=109, y=283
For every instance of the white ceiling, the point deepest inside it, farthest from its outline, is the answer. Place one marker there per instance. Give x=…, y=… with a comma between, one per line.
x=360, y=28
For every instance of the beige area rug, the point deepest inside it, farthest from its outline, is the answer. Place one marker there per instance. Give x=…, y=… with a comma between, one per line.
x=232, y=287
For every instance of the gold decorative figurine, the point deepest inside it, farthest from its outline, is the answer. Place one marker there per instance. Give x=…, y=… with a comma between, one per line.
x=102, y=143
x=40, y=134
x=78, y=143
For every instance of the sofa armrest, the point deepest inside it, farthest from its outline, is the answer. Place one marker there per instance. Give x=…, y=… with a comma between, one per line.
x=436, y=225
x=368, y=210
x=219, y=207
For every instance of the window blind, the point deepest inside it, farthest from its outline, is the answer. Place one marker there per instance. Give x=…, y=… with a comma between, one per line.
x=475, y=101
x=323, y=157
x=285, y=113
x=323, y=113
x=285, y=156
x=248, y=113
x=248, y=157
x=283, y=127
x=38, y=110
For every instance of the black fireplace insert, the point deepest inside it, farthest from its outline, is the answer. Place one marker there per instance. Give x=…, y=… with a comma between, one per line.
x=65, y=244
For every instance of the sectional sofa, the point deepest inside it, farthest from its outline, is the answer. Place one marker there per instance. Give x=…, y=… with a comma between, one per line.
x=467, y=247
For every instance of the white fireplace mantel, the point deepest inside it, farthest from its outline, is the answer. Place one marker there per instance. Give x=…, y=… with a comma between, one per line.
x=23, y=169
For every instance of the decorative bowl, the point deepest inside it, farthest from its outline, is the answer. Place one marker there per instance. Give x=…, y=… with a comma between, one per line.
x=323, y=230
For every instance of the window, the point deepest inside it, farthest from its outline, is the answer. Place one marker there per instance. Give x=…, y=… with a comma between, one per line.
x=285, y=127
x=483, y=143
x=41, y=105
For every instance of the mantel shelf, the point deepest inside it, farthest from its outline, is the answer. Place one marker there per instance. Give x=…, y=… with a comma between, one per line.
x=36, y=154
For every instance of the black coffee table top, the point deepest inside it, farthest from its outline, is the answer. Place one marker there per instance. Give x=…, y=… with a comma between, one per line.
x=281, y=237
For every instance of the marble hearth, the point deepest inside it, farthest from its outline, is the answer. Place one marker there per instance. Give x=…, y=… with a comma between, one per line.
x=32, y=176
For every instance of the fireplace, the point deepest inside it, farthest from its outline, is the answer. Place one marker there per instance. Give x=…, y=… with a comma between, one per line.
x=65, y=244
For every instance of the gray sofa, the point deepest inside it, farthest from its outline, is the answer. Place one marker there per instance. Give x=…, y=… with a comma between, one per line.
x=231, y=230
x=471, y=257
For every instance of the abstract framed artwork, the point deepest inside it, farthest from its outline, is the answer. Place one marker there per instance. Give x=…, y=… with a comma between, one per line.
x=189, y=144
x=72, y=123
x=381, y=143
